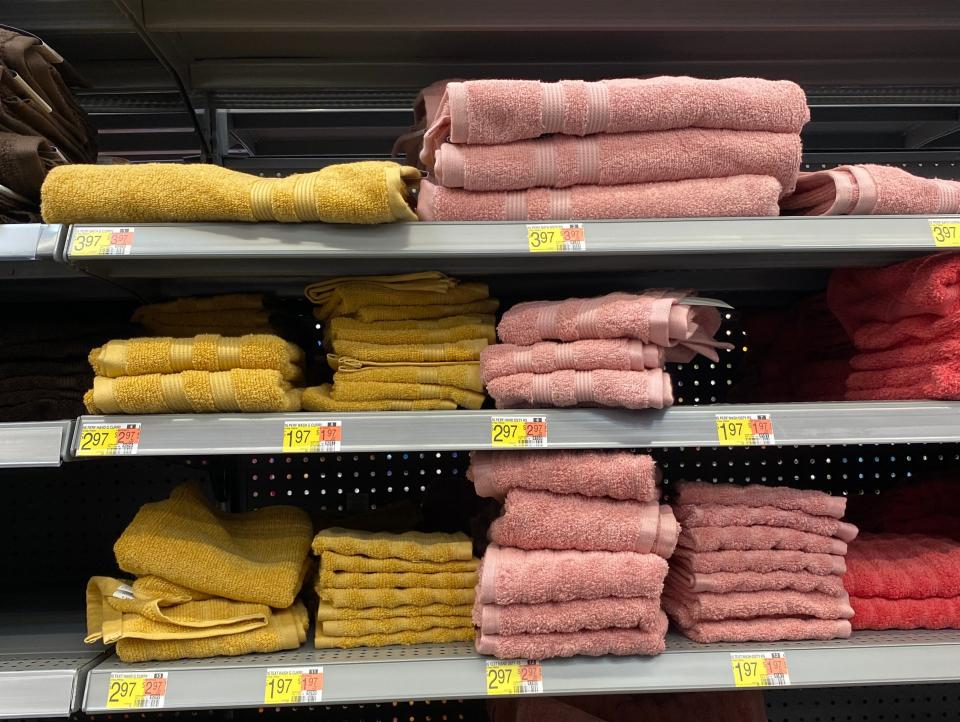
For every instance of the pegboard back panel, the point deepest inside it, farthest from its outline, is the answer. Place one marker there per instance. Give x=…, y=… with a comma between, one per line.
x=906, y=703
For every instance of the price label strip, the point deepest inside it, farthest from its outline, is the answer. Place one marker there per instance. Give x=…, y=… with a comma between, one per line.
x=750, y=430
x=312, y=437
x=108, y=440
x=293, y=685
x=102, y=242
x=514, y=678
x=760, y=669
x=945, y=232
x=528, y=432
x=556, y=238
x=137, y=690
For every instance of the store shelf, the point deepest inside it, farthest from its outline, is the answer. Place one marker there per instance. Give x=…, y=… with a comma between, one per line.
x=35, y=443
x=31, y=250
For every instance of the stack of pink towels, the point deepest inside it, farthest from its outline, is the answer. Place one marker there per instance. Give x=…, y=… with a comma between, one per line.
x=509, y=150
x=577, y=559
x=611, y=350
x=759, y=563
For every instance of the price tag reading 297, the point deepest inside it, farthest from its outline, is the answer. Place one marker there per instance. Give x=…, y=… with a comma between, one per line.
x=520, y=432
x=108, y=440
x=514, y=678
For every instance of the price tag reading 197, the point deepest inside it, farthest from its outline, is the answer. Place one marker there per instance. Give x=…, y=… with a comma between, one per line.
x=556, y=238
x=514, y=678
x=136, y=690
x=529, y=432
x=760, y=669
x=101, y=241
x=748, y=430
x=312, y=437
x=293, y=685
x=108, y=440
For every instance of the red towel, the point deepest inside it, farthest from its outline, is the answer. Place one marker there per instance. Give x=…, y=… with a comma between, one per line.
x=931, y=613
x=895, y=566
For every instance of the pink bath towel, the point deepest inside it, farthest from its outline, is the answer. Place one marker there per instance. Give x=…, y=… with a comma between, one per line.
x=490, y=112
x=560, y=161
x=742, y=538
x=516, y=576
x=767, y=629
x=541, y=520
x=691, y=609
x=697, y=515
x=591, y=643
x=649, y=389
x=762, y=561
x=425, y=108
x=566, y=617
x=930, y=613
x=723, y=582
x=617, y=474
x=781, y=497
x=903, y=566
x=870, y=189
x=741, y=195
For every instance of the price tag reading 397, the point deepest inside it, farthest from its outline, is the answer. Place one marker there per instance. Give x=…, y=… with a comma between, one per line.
x=945, y=232
x=293, y=685
x=101, y=242
x=556, y=238
x=514, y=677
x=108, y=440
x=136, y=690
x=747, y=430
x=521, y=432
x=760, y=669
x=312, y=437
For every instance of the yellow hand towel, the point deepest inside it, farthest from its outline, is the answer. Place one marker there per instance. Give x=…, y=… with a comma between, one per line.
x=417, y=597
x=414, y=546
x=345, y=388
x=223, y=302
x=317, y=398
x=350, y=298
x=250, y=390
x=326, y=612
x=258, y=556
x=431, y=636
x=412, y=352
x=153, y=587
x=365, y=565
x=229, y=315
x=372, y=314
x=208, y=352
x=365, y=192
x=442, y=330
x=458, y=375
x=432, y=281
x=330, y=579
x=394, y=625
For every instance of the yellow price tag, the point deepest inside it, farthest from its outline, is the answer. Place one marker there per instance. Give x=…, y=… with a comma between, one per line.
x=514, y=678
x=946, y=233
x=142, y=690
x=293, y=685
x=108, y=440
x=101, y=242
x=312, y=437
x=760, y=669
x=556, y=238
x=752, y=430
x=529, y=431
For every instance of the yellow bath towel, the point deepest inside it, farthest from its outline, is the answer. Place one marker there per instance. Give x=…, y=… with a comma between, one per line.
x=365, y=192
x=154, y=587
x=436, y=635
x=412, y=546
x=372, y=314
x=317, y=398
x=349, y=298
x=329, y=613
x=345, y=388
x=330, y=579
x=365, y=565
x=201, y=304
x=208, y=352
x=233, y=314
x=428, y=281
x=441, y=330
x=258, y=556
x=411, y=352
x=394, y=625
x=250, y=390
x=458, y=375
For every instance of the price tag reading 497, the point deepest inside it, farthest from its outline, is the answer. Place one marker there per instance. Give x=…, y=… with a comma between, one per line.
x=522, y=432
x=750, y=430
x=514, y=678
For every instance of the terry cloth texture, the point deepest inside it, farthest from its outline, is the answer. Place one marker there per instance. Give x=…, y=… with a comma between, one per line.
x=235, y=314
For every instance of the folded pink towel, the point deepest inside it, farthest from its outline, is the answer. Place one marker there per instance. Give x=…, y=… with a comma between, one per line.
x=742, y=538
x=541, y=520
x=723, y=582
x=767, y=629
x=781, y=497
x=690, y=609
x=515, y=576
x=617, y=474
x=649, y=389
x=697, y=515
x=573, y=616
x=762, y=561
x=591, y=643
x=870, y=189
x=740, y=195
x=560, y=161
x=490, y=112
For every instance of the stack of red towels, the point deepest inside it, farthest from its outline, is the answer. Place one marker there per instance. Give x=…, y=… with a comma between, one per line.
x=611, y=351
x=758, y=563
x=577, y=559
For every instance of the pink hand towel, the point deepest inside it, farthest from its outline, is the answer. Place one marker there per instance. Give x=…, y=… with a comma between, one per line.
x=490, y=112
x=723, y=582
x=936, y=379
x=782, y=497
x=930, y=613
x=616, y=354
x=739, y=196
x=691, y=609
x=541, y=520
x=617, y=474
x=903, y=566
x=742, y=538
x=560, y=161
x=591, y=643
x=698, y=515
x=768, y=629
x=617, y=389
x=566, y=617
x=515, y=576
x=870, y=189
x=762, y=561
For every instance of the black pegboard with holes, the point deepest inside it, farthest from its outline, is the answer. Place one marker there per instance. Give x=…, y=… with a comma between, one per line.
x=913, y=703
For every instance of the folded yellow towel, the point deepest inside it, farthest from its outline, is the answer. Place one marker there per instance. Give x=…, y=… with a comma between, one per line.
x=413, y=546
x=365, y=565
x=326, y=612
x=346, y=388
x=436, y=635
x=330, y=579
x=365, y=192
x=412, y=353
x=432, y=281
x=207, y=352
x=318, y=398
x=202, y=304
x=349, y=298
x=441, y=330
x=258, y=556
x=250, y=390
x=417, y=597
x=154, y=587
x=464, y=375
x=394, y=625
x=372, y=314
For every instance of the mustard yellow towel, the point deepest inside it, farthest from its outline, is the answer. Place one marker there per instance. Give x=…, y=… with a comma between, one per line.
x=394, y=625
x=442, y=330
x=330, y=579
x=286, y=629
x=208, y=352
x=418, y=597
x=335, y=562
x=203, y=304
x=251, y=390
x=317, y=398
x=431, y=281
x=258, y=556
x=345, y=388
x=414, y=546
x=431, y=636
x=153, y=587
x=459, y=375
x=349, y=298
x=411, y=352
x=326, y=612
x=365, y=192
x=372, y=314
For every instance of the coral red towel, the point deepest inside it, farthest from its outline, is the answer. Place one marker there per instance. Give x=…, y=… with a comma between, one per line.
x=650, y=389
x=903, y=566
x=515, y=576
x=718, y=515
x=722, y=582
x=936, y=379
x=573, y=616
x=767, y=629
x=930, y=613
x=757, y=561
x=742, y=538
x=616, y=474
x=709, y=607
x=912, y=353
x=781, y=497
x=614, y=354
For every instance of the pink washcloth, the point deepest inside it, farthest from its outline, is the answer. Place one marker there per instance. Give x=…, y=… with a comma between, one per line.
x=758, y=561
x=697, y=515
x=903, y=566
x=930, y=613
x=767, y=629
x=515, y=576
x=490, y=112
x=617, y=474
x=591, y=643
x=723, y=582
x=560, y=161
x=541, y=520
x=781, y=497
x=692, y=609
x=573, y=616
x=617, y=389
x=742, y=538
x=741, y=195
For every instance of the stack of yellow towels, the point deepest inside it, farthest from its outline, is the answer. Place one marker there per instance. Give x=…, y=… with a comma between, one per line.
x=378, y=589
x=207, y=583
x=234, y=314
x=402, y=343
x=206, y=373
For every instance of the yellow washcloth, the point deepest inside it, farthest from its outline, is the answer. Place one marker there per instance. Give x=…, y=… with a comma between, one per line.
x=459, y=375
x=431, y=281
x=251, y=390
x=414, y=546
x=258, y=556
x=436, y=635
x=372, y=314
x=345, y=388
x=365, y=192
x=207, y=352
x=412, y=352
x=416, y=597
x=317, y=398
x=365, y=565
x=441, y=330
x=326, y=612
x=394, y=625
x=349, y=298
x=330, y=579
